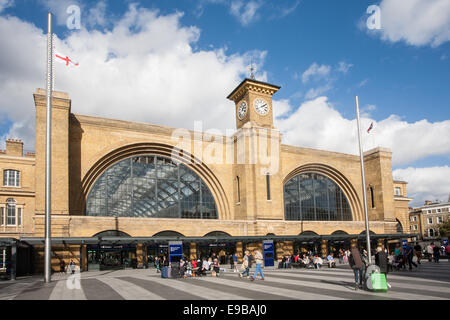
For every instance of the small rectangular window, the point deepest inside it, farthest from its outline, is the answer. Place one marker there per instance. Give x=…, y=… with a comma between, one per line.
x=398, y=191
x=268, y=186
x=11, y=178
x=19, y=216
x=2, y=216
x=430, y=220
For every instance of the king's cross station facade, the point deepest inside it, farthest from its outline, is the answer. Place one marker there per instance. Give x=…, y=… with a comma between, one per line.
x=121, y=191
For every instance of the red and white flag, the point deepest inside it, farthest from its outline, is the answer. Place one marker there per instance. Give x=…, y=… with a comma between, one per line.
x=370, y=128
x=62, y=58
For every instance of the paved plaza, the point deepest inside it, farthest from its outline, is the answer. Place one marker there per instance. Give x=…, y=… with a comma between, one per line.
x=430, y=281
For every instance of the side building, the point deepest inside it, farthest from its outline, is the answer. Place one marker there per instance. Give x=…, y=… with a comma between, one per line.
x=425, y=220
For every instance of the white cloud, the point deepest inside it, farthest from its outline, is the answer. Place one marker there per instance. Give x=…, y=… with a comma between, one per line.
x=425, y=183
x=416, y=22
x=245, y=12
x=97, y=15
x=315, y=71
x=5, y=4
x=144, y=69
x=281, y=108
x=344, y=67
x=315, y=92
x=317, y=124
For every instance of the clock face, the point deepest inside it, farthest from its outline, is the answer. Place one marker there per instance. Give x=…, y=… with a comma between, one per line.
x=242, y=110
x=261, y=107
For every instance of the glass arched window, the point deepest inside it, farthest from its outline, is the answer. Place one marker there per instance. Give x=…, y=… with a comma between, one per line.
x=312, y=196
x=150, y=186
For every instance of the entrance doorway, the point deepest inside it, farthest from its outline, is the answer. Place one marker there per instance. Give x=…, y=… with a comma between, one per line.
x=223, y=251
x=106, y=257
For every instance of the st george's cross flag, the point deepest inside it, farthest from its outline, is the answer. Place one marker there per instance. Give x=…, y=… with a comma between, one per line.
x=370, y=128
x=62, y=58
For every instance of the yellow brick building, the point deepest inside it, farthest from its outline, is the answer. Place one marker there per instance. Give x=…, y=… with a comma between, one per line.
x=120, y=178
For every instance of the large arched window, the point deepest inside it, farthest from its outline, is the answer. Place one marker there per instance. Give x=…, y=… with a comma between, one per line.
x=150, y=186
x=312, y=196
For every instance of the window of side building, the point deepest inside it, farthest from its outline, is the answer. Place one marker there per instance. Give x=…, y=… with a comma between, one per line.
x=430, y=220
x=398, y=191
x=11, y=178
x=11, y=213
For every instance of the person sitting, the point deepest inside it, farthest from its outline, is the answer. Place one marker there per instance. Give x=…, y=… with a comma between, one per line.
x=318, y=262
x=331, y=262
x=202, y=268
x=216, y=267
x=286, y=262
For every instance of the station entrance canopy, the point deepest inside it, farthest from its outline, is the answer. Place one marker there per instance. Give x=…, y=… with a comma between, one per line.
x=209, y=239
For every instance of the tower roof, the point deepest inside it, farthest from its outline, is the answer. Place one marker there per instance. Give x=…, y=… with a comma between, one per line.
x=251, y=84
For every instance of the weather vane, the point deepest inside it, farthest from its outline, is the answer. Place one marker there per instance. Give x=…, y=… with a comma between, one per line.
x=252, y=69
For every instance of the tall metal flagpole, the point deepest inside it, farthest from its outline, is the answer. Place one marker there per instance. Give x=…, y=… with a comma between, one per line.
x=48, y=152
x=361, y=155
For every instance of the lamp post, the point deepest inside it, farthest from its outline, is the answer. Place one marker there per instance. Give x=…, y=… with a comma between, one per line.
x=48, y=153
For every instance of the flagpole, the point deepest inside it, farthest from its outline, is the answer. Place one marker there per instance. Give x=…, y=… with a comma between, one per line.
x=48, y=152
x=361, y=155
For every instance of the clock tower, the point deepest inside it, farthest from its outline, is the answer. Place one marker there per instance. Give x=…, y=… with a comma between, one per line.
x=253, y=100
x=257, y=170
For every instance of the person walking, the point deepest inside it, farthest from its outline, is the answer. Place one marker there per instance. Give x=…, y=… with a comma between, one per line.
x=381, y=260
x=409, y=252
x=356, y=263
x=447, y=251
x=418, y=252
x=430, y=251
x=235, y=262
x=62, y=266
x=72, y=266
x=245, y=265
x=436, y=253
x=365, y=260
x=259, y=262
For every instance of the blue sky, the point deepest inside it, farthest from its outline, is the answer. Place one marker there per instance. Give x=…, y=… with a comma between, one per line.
x=320, y=52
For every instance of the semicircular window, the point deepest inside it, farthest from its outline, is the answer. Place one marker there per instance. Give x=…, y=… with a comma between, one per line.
x=312, y=196
x=150, y=186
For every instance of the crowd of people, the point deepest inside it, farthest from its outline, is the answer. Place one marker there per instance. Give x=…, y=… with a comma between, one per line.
x=201, y=267
x=307, y=260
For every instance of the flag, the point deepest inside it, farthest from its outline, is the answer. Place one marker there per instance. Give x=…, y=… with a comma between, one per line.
x=62, y=58
x=370, y=128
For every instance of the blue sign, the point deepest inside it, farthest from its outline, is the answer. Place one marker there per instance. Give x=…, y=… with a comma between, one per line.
x=175, y=250
x=404, y=242
x=445, y=242
x=269, y=259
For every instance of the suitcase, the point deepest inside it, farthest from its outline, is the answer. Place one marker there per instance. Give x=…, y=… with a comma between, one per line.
x=165, y=272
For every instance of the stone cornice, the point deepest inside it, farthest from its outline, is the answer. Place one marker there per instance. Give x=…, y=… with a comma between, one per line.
x=295, y=149
x=254, y=86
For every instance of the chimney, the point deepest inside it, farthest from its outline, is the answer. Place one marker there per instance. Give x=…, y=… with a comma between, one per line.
x=14, y=147
x=428, y=202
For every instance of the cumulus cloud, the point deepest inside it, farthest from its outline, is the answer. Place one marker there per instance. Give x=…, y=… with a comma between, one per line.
x=315, y=71
x=5, y=4
x=144, y=69
x=416, y=22
x=245, y=12
x=425, y=183
x=317, y=124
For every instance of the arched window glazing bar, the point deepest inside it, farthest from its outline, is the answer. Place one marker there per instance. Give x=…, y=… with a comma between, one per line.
x=314, y=197
x=150, y=186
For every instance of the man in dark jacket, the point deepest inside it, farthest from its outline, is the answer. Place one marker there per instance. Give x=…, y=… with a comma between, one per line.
x=357, y=265
x=382, y=261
